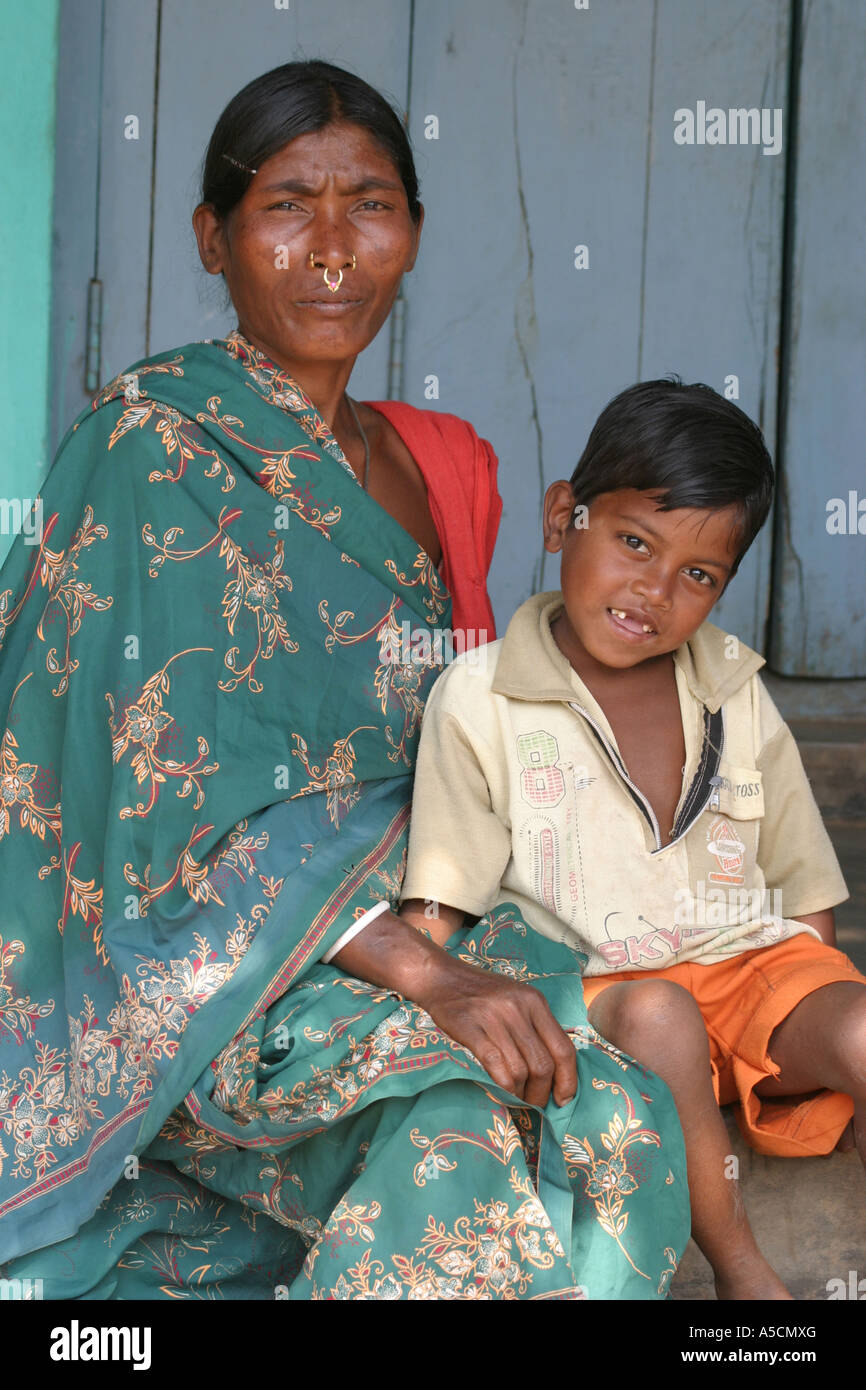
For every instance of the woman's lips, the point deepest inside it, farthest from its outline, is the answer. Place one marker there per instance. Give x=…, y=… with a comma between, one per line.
x=630, y=625
x=331, y=307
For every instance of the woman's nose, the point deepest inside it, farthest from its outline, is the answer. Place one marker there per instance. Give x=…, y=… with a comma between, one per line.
x=330, y=243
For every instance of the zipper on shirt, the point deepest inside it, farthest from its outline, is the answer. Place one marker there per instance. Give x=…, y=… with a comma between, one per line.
x=705, y=781
x=710, y=757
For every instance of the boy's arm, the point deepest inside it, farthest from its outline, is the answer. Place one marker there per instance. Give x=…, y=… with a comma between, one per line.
x=437, y=920
x=459, y=847
x=823, y=922
x=794, y=849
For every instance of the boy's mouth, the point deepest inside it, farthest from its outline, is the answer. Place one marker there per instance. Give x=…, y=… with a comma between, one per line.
x=632, y=622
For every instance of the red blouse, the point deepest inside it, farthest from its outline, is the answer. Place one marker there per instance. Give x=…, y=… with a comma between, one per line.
x=460, y=472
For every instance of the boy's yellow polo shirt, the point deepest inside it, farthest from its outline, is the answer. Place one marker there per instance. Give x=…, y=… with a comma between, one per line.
x=521, y=796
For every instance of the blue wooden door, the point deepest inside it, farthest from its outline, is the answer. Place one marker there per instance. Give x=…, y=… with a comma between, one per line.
x=172, y=65
x=554, y=130
x=572, y=245
x=819, y=611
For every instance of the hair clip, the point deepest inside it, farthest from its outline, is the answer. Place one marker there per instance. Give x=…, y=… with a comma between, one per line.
x=238, y=164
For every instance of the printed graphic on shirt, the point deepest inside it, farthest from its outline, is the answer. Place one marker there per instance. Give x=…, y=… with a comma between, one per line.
x=550, y=843
x=541, y=782
x=644, y=946
x=639, y=945
x=542, y=838
x=728, y=850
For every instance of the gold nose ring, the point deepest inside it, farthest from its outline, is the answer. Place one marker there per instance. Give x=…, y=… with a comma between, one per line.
x=334, y=285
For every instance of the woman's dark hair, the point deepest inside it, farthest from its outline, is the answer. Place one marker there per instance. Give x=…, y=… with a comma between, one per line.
x=686, y=443
x=292, y=100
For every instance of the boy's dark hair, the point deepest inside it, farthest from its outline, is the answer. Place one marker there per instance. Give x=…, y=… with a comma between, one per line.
x=686, y=443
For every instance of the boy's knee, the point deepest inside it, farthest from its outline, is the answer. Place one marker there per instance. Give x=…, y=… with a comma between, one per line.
x=850, y=1035
x=650, y=1017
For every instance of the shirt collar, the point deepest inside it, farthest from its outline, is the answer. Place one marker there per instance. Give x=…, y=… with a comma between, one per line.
x=531, y=666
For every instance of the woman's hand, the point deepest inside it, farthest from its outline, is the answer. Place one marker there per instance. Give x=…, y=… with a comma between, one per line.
x=507, y=1025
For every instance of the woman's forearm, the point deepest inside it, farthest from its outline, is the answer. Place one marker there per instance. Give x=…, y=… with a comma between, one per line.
x=392, y=953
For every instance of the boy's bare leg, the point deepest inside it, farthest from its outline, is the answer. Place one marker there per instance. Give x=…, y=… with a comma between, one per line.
x=659, y=1024
x=821, y=1043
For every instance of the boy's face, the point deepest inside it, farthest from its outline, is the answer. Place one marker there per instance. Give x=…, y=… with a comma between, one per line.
x=636, y=582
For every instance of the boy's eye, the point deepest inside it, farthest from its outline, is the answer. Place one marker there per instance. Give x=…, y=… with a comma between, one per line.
x=633, y=542
x=701, y=576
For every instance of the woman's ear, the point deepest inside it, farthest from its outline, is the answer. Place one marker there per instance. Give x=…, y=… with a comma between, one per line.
x=413, y=255
x=558, y=513
x=210, y=235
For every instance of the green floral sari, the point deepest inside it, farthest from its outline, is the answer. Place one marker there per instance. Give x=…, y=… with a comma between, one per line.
x=205, y=778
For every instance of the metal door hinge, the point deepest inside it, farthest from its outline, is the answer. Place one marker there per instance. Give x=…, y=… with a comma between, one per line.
x=396, y=346
x=93, y=352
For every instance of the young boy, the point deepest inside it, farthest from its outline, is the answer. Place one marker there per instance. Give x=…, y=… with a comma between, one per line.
x=615, y=767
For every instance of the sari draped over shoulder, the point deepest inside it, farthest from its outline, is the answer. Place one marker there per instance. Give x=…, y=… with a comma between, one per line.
x=205, y=779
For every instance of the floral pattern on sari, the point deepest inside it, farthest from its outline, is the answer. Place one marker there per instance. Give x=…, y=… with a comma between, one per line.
x=231, y=802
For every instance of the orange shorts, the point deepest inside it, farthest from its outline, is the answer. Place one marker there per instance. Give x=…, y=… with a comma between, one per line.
x=742, y=1001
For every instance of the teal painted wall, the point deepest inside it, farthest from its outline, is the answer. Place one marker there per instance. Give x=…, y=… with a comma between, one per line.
x=28, y=42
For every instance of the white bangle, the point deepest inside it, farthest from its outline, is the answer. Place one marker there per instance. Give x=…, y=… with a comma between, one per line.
x=353, y=931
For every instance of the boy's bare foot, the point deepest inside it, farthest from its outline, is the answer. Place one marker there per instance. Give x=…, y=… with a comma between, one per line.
x=750, y=1278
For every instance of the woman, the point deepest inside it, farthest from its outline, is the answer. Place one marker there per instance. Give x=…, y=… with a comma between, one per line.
x=206, y=774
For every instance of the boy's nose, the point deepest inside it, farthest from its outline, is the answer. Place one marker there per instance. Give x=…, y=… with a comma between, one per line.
x=655, y=588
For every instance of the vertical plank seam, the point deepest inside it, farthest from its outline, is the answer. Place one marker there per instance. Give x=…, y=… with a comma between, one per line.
x=646, y=190
x=395, y=388
x=537, y=580
x=99, y=141
x=783, y=547
x=151, y=230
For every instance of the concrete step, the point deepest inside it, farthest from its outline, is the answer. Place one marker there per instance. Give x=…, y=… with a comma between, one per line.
x=834, y=756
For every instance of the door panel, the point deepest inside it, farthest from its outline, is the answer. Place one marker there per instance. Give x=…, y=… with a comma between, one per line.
x=819, y=613
x=545, y=144
x=555, y=131
x=714, y=235
x=76, y=185
x=212, y=50
x=533, y=106
x=126, y=169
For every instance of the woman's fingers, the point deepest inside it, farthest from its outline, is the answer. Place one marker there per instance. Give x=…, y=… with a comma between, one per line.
x=527, y=1052
x=561, y=1049
x=503, y=1061
x=540, y=1064
x=509, y=1027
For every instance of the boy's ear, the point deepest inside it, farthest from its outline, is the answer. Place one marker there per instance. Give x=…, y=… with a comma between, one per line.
x=557, y=514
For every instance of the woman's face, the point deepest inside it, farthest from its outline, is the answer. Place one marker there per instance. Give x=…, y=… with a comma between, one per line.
x=335, y=194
